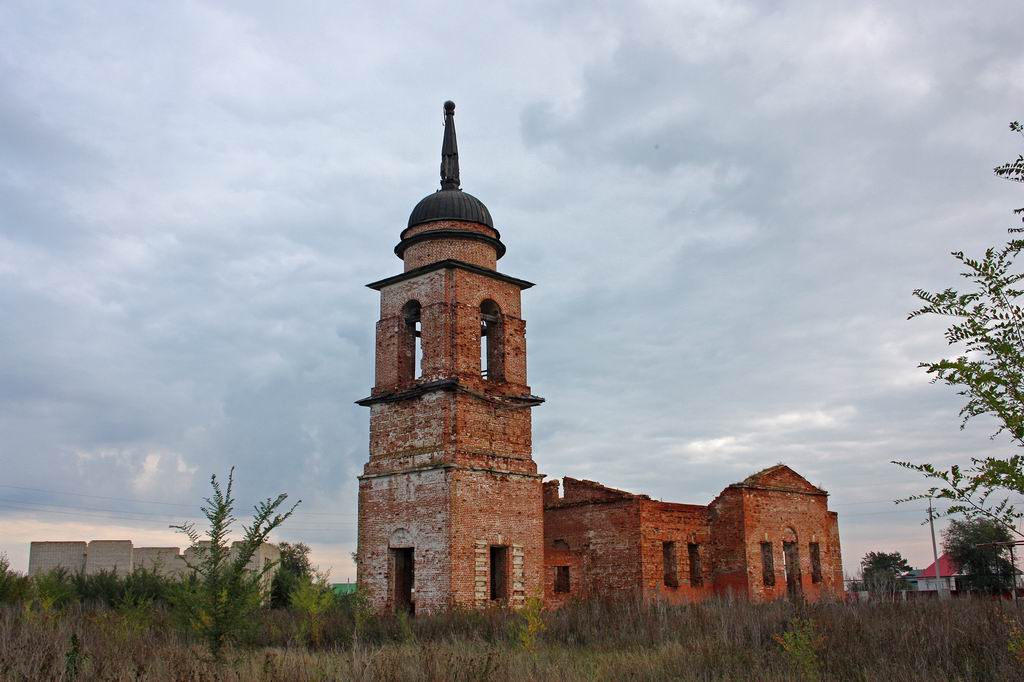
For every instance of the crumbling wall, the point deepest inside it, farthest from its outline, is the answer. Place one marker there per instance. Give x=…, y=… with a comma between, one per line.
x=682, y=525
x=728, y=544
x=601, y=529
x=618, y=543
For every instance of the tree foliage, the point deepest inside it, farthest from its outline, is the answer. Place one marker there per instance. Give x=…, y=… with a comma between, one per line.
x=14, y=588
x=883, y=571
x=221, y=599
x=988, y=331
x=294, y=567
x=971, y=543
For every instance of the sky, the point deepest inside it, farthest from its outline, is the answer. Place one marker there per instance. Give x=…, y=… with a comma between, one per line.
x=725, y=207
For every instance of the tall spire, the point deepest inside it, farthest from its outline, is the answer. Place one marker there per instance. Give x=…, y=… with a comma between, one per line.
x=449, y=150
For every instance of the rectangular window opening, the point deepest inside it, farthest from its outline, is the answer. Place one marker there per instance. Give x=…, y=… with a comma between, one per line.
x=696, y=576
x=499, y=573
x=815, y=563
x=561, y=578
x=670, y=564
x=767, y=564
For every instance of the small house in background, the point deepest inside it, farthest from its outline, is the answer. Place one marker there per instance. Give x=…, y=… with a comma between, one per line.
x=924, y=580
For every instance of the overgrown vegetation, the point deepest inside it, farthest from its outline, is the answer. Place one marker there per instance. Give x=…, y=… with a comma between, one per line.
x=224, y=591
x=295, y=567
x=962, y=639
x=988, y=332
x=978, y=546
x=883, y=572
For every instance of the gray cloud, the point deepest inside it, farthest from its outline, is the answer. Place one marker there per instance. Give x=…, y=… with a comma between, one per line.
x=725, y=206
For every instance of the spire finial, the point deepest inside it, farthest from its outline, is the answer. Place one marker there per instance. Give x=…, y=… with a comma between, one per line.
x=449, y=150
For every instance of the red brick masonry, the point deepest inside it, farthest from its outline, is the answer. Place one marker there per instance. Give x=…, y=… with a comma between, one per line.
x=452, y=511
x=613, y=542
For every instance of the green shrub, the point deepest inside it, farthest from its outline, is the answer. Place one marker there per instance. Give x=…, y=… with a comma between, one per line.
x=220, y=603
x=801, y=643
x=530, y=624
x=104, y=588
x=312, y=598
x=14, y=587
x=53, y=590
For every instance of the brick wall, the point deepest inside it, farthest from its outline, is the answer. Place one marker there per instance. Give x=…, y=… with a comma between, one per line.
x=728, y=544
x=600, y=531
x=682, y=525
x=779, y=506
x=496, y=509
x=618, y=543
x=406, y=510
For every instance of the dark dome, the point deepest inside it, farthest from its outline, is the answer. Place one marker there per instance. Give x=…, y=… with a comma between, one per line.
x=450, y=204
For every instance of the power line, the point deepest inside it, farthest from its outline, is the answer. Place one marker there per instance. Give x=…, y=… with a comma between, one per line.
x=139, y=501
x=122, y=516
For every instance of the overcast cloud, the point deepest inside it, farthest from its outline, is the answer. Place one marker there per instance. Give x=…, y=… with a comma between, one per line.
x=725, y=207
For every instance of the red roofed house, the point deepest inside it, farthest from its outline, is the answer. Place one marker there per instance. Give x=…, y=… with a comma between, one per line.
x=949, y=571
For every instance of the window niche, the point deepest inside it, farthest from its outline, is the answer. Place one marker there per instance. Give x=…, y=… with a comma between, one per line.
x=670, y=564
x=815, y=562
x=767, y=564
x=696, y=574
x=562, y=579
x=492, y=342
x=411, y=355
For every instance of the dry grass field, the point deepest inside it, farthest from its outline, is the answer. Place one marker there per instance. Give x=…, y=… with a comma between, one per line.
x=966, y=639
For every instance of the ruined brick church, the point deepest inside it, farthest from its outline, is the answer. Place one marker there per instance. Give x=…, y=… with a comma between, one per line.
x=452, y=511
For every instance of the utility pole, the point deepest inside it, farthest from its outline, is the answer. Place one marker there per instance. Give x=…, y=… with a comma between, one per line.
x=1013, y=559
x=935, y=553
x=1013, y=572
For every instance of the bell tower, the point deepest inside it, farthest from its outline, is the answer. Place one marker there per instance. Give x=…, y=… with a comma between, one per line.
x=450, y=501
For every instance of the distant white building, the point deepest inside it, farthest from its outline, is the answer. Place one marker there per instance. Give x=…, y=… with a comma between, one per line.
x=121, y=557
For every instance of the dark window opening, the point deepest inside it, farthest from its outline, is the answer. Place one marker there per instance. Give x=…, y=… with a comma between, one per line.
x=815, y=562
x=767, y=564
x=411, y=357
x=499, y=573
x=561, y=578
x=791, y=552
x=670, y=564
x=560, y=544
x=696, y=576
x=403, y=565
x=492, y=352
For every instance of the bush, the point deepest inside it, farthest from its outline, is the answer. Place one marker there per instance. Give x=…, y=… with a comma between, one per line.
x=104, y=588
x=220, y=603
x=312, y=598
x=14, y=587
x=53, y=590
